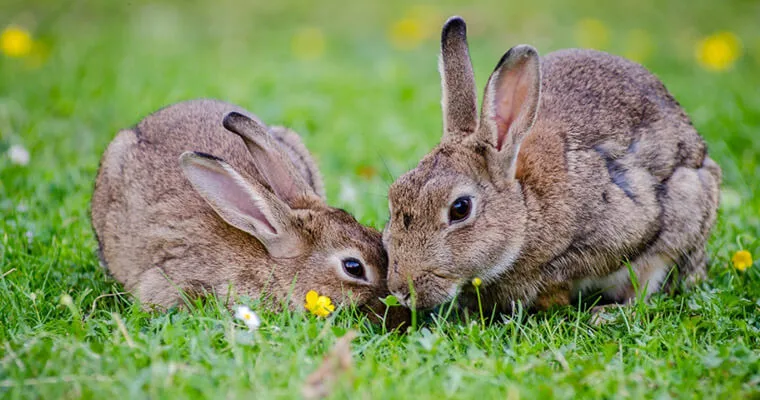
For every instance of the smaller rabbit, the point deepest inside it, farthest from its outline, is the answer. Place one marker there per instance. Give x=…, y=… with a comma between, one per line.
x=580, y=166
x=252, y=218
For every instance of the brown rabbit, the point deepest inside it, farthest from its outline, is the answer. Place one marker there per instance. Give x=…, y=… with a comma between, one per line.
x=581, y=163
x=253, y=219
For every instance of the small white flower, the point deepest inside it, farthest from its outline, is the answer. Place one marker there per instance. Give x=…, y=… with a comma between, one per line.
x=249, y=317
x=18, y=155
x=66, y=300
x=348, y=192
x=29, y=236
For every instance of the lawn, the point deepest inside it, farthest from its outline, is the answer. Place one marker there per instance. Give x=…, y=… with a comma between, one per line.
x=359, y=81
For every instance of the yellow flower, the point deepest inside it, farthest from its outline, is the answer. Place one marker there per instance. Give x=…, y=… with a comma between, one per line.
x=418, y=24
x=592, y=33
x=405, y=33
x=718, y=52
x=15, y=42
x=742, y=260
x=320, y=306
x=477, y=282
x=308, y=44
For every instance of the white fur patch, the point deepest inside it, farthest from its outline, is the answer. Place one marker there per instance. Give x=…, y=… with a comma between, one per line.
x=508, y=258
x=650, y=272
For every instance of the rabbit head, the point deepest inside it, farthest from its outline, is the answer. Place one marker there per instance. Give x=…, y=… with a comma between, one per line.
x=459, y=214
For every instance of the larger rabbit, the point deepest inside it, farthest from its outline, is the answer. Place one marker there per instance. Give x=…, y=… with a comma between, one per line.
x=252, y=217
x=580, y=164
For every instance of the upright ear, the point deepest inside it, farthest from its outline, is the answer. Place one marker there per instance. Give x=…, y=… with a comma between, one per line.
x=271, y=160
x=459, y=101
x=245, y=205
x=510, y=103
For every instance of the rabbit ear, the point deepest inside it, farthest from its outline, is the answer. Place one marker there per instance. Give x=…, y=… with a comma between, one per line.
x=459, y=102
x=300, y=158
x=273, y=164
x=246, y=206
x=510, y=103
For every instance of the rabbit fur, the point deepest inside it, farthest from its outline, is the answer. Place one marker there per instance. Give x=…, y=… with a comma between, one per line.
x=170, y=217
x=580, y=165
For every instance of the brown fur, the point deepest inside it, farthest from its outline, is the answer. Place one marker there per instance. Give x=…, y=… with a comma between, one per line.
x=158, y=236
x=608, y=170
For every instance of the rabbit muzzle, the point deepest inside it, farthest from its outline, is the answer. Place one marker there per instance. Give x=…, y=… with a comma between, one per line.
x=424, y=290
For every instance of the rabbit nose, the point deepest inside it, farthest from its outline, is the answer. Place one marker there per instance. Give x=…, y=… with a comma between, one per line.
x=398, y=285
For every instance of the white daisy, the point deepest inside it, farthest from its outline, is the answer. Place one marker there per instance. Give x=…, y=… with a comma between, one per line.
x=249, y=317
x=18, y=155
x=348, y=193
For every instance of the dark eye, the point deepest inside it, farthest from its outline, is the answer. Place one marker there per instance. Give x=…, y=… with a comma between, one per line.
x=460, y=209
x=353, y=267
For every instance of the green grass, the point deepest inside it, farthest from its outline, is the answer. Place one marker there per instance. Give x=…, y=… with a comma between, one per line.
x=364, y=105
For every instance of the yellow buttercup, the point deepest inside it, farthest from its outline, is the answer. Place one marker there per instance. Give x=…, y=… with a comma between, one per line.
x=742, y=260
x=318, y=305
x=15, y=42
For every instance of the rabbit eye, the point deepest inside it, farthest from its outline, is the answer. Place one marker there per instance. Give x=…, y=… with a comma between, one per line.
x=460, y=209
x=353, y=267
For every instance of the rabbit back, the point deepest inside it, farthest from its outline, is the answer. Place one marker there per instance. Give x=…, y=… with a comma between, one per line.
x=630, y=175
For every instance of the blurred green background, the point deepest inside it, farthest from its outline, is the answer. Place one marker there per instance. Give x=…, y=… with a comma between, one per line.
x=358, y=80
